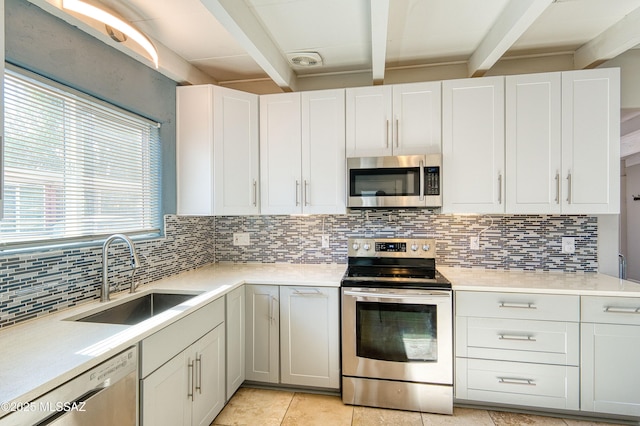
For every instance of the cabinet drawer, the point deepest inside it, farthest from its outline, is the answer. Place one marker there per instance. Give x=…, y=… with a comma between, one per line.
x=611, y=310
x=518, y=383
x=548, y=342
x=160, y=347
x=548, y=307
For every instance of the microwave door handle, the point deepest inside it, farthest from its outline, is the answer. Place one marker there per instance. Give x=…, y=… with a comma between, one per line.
x=421, y=180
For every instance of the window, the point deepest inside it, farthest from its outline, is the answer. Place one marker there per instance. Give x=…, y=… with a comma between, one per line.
x=75, y=167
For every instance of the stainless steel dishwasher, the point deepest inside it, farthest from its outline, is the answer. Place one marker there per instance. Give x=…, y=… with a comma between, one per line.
x=105, y=395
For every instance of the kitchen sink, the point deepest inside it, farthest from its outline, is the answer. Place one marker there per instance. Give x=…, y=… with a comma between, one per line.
x=137, y=310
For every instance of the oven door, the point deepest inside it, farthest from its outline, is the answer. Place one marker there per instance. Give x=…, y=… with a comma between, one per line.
x=397, y=334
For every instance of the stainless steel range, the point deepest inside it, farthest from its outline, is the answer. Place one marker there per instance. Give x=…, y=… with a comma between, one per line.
x=397, y=337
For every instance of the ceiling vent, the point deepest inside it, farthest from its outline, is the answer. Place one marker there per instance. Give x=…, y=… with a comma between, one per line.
x=305, y=59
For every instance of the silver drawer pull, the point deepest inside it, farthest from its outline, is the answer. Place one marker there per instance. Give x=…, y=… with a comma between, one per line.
x=518, y=305
x=512, y=381
x=307, y=292
x=516, y=337
x=620, y=310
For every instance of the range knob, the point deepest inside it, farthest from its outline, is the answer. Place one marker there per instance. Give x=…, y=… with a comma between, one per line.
x=355, y=246
x=426, y=247
x=366, y=246
x=414, y=247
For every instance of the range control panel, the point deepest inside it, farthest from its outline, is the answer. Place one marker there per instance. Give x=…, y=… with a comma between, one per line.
x=392, y=247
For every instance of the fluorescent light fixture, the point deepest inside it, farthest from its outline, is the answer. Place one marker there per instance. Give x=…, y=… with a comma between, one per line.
x=107, y=18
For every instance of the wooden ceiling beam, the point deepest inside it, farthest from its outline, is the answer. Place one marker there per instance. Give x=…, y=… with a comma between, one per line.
x=617, y=39
x=243, y=25
x=514, y=20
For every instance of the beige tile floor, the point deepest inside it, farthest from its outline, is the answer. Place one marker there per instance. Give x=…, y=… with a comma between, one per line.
x=266, y=407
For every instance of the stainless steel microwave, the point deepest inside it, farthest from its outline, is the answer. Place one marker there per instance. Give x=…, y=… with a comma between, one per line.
x=396, y=181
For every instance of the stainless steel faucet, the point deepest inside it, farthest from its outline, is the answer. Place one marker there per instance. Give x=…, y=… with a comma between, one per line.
x=135, y=263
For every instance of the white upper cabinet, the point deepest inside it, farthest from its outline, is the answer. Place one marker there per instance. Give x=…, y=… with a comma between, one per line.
x=323, y=152
x=533, y=143
x=280, y=152
x=1, y=109
x=217, y=151
x=402, y=119
x=591, y=141
x=473, y=145
x=302, y=153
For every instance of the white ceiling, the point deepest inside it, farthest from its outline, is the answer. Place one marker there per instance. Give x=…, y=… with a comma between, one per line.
x=239, y=40
x=248, y=39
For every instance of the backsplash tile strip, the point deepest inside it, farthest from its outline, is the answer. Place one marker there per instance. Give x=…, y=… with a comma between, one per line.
x=35, y=284
x=522, y=242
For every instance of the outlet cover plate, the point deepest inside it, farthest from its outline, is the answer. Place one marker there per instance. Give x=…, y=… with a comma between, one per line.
x=474, y=243
x=241, y=239
x=568, y=245
x=325, y=241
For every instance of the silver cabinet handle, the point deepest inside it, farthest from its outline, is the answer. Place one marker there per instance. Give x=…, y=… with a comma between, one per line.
x=514, y=381
x=569, y=188
x=557, y=188
x=387, y=140
x=255, y=193
x=198, y=368
x=297, y=188
x=397, y=132
x=517, y=305
x=516, y=337
x=499, y=188
x=621, y=310
x=307, y=292
x=421, y=180
x=306, y=193
x=190, y=380
x=272, y=309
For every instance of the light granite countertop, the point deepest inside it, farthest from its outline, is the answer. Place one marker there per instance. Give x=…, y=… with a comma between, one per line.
x=41, y=354
x=581, y=284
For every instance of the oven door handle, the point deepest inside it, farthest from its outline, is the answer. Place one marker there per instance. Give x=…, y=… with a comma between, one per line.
x=378, y=296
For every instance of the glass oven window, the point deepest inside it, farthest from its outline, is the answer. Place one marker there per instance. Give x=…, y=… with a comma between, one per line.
x=385, y=182
x=396, y=332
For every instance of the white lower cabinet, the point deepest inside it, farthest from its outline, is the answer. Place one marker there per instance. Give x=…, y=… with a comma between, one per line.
x=309, y=339
x=184, y=384
x=235, y=334
x=610, y=355
x=520, y=349
x=292, y=335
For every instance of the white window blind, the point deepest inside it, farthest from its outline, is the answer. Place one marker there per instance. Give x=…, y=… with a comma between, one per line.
x=75, y=167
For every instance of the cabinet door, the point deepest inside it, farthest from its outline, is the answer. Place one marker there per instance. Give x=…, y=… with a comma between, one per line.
x=280, y=177
x=323, y=152
x=473, y=145
x=167, y=394
x=533, y=143
x=236, y=152
x=194, y=150
x=417, y=118
x=262, y=333
x=1, y=109
x=209, y=377
x=591, y=141
x=309, y=336
x=610, y=369
x=235, y=324
x=369, y=114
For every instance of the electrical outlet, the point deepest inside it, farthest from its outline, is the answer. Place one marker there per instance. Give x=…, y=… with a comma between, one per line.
x=240, y=238
x=325, y=241
x=474, y=243
x=568, y=245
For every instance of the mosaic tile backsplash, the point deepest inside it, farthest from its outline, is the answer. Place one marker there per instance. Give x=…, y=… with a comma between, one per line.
x=34, y=284
x=506, y=242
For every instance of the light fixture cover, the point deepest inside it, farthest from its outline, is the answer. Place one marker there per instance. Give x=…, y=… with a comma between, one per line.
x=94, y=12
